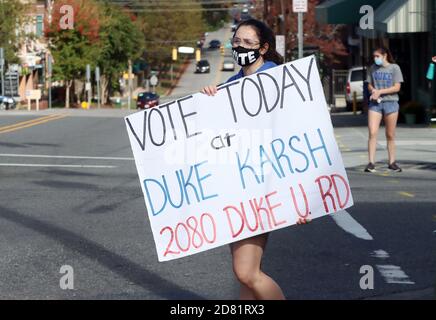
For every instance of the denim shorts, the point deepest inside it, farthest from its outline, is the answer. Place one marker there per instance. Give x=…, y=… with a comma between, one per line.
x=384, y=107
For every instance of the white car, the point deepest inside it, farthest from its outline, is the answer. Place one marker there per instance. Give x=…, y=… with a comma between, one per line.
x=354, y=84
x=228, y=65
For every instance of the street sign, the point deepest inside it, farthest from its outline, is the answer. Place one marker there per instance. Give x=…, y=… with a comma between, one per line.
x=299, y=6
x=154, y=80
x=11, y=80
x=280, y=45
x=33, y=94
x=189, y=50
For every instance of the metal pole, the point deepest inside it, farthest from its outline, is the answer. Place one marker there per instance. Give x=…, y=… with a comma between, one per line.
x=2, y=63
x=129, y=101
x=97, y=79
x=172, y=70
x=50, y=69
x=283, y=27
x=300, y=35
x=88, y=83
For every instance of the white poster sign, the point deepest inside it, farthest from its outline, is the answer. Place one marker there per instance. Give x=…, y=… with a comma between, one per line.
x=256, y=157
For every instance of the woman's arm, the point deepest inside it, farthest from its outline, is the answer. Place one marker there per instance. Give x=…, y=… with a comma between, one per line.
x=394, y=89
x=375, y=94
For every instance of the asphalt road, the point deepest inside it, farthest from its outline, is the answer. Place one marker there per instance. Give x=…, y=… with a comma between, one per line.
x=70, y=195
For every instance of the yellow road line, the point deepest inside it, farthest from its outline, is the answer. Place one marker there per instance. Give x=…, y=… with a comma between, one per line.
x=25, y=122
x=34, y=123
x=406, y=194
x=384, y=174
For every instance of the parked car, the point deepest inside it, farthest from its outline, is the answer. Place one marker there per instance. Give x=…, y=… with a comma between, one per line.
x=228, y=65
x=354, y=84
x=202, y=66
x=7, y=103
x=214, y=44
x=147, y=100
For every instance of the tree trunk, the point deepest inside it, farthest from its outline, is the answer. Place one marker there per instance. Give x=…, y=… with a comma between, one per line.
x=104, y=81
x=67, y=93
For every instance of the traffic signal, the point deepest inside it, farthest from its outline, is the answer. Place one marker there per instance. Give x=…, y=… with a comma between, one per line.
x=174, y=54
x=198, y=55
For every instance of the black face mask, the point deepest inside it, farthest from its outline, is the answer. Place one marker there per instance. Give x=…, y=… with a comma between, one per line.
x=244, y=56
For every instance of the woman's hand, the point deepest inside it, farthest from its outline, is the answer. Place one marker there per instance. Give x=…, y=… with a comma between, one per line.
x=303, y=221
x=375, y=95
x=433, y=59
x=209, y=90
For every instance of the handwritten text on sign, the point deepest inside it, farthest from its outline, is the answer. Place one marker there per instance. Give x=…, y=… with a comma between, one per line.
x=254, y=158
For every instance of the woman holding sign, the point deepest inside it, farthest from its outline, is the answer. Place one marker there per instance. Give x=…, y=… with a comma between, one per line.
x=253, y=48
x=384, y=83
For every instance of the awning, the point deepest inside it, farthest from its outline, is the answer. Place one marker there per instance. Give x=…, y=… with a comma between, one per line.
x=399, y=16
x=342, y=11
x=402, y=16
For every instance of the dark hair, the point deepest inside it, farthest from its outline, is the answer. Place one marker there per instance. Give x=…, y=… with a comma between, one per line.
x=384, y=50
x=265, y=35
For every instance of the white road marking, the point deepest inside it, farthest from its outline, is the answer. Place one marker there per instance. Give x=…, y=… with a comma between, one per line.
x=63, y=157
x=344, y=220
x=55, y=165
x=381, y=254
x=394, y=274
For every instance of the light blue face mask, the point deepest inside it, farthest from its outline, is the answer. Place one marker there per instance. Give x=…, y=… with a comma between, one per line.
x=378, y=61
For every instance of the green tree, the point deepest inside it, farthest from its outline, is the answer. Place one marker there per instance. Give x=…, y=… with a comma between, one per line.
x=122, y=40
x=11, y=16
x=166, y=26
x=73, y=49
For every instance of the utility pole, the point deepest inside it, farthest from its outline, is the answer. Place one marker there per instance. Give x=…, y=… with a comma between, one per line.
x=300, y=35
x=2, y=65
x=88, y=84
x=97, y=79
x=300, y=7
x=50, y=72
x=129, y=99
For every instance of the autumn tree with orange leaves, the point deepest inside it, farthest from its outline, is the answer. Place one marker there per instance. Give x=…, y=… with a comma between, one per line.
x=326, y=38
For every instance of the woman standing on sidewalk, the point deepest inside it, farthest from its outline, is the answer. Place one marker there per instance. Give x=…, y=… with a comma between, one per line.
x=384, y=83
x=254, y=39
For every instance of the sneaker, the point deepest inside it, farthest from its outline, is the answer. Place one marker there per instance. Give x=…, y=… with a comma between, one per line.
x=394, y=167
x=370, y=167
